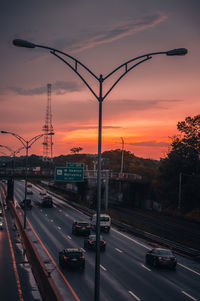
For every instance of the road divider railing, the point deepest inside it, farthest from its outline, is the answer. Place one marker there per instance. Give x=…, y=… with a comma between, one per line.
x=43, y=278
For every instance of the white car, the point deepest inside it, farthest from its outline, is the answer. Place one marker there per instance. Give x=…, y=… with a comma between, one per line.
x=105, y=222
x=1, y=223
x=43, y=192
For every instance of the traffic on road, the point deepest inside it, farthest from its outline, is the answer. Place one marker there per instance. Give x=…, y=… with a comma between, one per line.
x=131, y=269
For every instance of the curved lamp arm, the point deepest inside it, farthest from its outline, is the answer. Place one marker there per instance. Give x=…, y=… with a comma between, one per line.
x=56, y=52
x=34, y=139
x=21, y=139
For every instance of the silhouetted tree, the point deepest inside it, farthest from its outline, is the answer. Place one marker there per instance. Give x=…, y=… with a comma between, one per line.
x=76, y=150
x=183, y=158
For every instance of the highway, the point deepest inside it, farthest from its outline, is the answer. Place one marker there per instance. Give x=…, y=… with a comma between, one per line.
x=124, y=275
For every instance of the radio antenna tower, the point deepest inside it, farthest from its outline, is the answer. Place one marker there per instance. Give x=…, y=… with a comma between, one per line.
x=48, y=128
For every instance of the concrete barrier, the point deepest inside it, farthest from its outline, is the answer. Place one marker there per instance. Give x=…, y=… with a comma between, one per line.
x=44, y=280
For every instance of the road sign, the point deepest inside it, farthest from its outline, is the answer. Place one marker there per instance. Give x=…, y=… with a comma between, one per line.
x=72, y=173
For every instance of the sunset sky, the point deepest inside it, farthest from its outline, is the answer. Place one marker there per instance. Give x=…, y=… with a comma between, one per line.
x=143, y=108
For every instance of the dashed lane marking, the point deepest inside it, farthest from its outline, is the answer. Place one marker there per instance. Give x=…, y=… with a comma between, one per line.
x=102, y=267
x=194, y=299
x=145, y=267
x=118, y=250
x=133, y=295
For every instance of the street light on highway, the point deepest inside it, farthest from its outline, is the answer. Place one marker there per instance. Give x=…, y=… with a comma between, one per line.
x=74, y=64
x=12, y=153
x=26, y=144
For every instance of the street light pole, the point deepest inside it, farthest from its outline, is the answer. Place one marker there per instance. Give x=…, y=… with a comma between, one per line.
x=125, y=69
x=26, y=144
x=13, y=154
x=122, y=159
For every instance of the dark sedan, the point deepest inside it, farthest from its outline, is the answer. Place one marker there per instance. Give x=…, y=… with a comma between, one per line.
x=72, y=257
x=81, y=227
x=161, y=257
x=28, y=204
x=90, y=242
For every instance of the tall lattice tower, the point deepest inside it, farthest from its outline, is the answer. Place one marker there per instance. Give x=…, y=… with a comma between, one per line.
x=48, y=128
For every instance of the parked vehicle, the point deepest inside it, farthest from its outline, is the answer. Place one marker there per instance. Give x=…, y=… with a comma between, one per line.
x=161, y=257
x=90, y=242
x=81, y=227
x=72, y=257
x=105, y=222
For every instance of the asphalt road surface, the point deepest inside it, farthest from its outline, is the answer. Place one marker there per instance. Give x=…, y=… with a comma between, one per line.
x=124, y=275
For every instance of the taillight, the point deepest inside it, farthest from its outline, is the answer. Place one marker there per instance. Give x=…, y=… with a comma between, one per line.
x=78, y=226
x=160, y=258
x=88, y=227
x=65, y=257
x=104, y=242
x=90, y=241
x=82, y=257
x=174, y=258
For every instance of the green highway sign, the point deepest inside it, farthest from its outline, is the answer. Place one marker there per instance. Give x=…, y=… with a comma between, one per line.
x=75, y=165
x=72, y=173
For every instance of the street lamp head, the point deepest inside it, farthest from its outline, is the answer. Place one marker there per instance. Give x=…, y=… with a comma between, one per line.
x=179, y=51
x=23, y=43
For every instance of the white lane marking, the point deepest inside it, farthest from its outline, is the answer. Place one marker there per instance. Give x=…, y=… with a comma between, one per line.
x=145, y=267
x=40, y=210
x=118, y=250
x=83, y=250
x=59, y=228
x=132, y=294
x=191, y=270
x=68, y=237
x=103, y=268
x=52, y=220
x=132, y=239
x=194, y=299
x=60, y=210
x=45, y=214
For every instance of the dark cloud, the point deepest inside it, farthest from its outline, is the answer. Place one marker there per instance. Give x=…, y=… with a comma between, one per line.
x=119, y=31
x=59, y=87
x=152, y=143
x=140, y=105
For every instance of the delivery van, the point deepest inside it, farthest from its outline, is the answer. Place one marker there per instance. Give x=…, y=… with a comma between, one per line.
x=105, y=222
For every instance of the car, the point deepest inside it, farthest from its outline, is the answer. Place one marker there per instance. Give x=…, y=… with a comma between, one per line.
x=72, y=257
x=28, y=204
x=1, y=223
x=47, y=202
x=81, y=227
x=90, y=242
x=161, y=257
x=43, y=192
x=29, y=191
x=105, y=222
